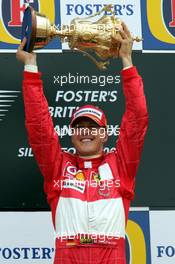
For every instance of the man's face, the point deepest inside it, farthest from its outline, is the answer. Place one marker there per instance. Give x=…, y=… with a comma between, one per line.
x=88, y=137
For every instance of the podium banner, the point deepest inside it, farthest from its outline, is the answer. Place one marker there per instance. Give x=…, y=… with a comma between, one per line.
x=29, y=237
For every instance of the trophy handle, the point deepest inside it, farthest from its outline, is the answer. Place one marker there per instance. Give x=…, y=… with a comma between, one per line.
x=101, y=65
x=106, y=8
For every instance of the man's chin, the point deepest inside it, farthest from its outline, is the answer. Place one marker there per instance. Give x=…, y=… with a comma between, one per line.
x=86, y=154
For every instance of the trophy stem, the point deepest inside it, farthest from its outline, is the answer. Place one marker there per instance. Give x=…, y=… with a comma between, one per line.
x=100, y=64
x=65, y=31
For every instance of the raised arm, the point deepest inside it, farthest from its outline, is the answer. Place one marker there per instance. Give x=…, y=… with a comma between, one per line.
x=41, y=134
x=135, y=119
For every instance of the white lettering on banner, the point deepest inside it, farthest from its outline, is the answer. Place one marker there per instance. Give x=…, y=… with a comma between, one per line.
x=86, y=96
x=100, y=80
x=69, y=149
x=27, y=152
x=60, y=111
x=73, y=151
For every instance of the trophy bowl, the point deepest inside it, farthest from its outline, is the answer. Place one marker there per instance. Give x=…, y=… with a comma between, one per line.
x=82, y=34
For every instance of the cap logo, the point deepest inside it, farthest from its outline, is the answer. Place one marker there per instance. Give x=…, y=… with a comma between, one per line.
x=87, y=111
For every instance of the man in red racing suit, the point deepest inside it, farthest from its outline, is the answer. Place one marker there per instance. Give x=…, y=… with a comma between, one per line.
x=89, y=194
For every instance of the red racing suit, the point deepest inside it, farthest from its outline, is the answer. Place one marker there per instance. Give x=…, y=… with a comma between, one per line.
x=89, y=199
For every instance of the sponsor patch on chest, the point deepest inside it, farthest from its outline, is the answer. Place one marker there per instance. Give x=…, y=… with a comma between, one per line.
x=75, y=185
x=105, y=172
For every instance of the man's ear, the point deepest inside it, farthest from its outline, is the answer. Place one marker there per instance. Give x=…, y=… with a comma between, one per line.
x=72, y=140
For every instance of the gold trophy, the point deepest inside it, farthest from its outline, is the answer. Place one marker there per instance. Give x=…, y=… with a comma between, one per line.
x=81, y=35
